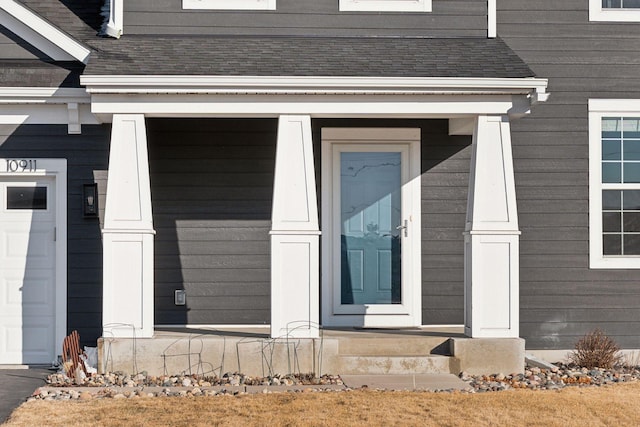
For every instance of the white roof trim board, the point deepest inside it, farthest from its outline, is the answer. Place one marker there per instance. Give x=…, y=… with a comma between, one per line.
x=43, y=95
x=44, y=36
x=312, y=85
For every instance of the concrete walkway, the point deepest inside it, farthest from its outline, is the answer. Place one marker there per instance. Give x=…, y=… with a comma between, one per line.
x=16, y=385
x=429, y=382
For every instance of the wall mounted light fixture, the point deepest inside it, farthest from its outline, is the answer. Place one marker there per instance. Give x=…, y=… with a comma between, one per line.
x=90, y=200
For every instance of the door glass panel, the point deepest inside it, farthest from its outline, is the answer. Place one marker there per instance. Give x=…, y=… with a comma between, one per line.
x=27, y=198
x=370, y=209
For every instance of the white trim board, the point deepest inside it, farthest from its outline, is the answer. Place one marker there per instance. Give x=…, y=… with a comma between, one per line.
x=382, y=106
x=45, y=105
x=385, y=5
x=492, y=21
x=256, y=96
x=43, y=95
x=229, y=4
x=170, y=84
x=41, y=34
x=56, y=168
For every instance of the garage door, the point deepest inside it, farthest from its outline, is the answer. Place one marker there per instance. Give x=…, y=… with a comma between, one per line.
x=27, y=270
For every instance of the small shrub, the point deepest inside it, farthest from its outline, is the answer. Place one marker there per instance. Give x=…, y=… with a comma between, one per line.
x=596, y=350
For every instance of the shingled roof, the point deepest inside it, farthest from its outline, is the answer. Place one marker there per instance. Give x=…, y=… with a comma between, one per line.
x=306, y=56
x=258, y=56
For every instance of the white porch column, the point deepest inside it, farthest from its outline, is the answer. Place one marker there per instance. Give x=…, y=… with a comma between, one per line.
x=295, y=258
x=491, y=238
x=128, y=233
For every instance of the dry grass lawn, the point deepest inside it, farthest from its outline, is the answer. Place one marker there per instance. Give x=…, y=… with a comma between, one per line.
x=607, y=406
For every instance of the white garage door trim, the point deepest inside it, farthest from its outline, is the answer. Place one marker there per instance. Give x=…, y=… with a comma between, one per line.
x=56, y=169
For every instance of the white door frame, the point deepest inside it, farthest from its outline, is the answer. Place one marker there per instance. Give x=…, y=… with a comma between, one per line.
x=25, y=167
x=408, y=313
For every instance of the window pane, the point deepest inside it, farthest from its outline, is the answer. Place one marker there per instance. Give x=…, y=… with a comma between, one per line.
x=611, y=149
x=631, y=200
x=631, y=127
x=632, y=244
x=611, y=127
x=631, y=149
x=612, y=244
x=610, y=3
x=26, y=197
x=631, y=222
x=631, y=172
x=611, y=221
x=611, y=199
x=611, y=172
x=630, y=4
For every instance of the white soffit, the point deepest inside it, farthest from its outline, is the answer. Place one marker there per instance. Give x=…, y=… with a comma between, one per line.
x=44, y=36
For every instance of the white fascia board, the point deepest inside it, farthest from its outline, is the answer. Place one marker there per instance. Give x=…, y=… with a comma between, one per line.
x=43, y=95
x=312, y=85
x=338, y=106
x=42, y=28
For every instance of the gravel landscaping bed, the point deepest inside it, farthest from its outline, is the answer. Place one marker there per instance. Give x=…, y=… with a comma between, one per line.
x=559, y=377
x=119, y=385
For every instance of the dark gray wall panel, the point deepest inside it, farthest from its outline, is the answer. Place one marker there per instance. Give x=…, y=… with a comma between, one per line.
x=212, y=186
x=561, y=298
x=450, y=18
x=87, y=159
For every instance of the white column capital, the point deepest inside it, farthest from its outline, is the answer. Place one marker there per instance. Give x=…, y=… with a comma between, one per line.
x=492, y=197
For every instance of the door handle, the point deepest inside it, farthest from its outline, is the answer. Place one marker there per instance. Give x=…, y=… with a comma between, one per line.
x=404, y=227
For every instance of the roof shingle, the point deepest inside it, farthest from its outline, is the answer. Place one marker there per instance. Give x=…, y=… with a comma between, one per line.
x=306, y=56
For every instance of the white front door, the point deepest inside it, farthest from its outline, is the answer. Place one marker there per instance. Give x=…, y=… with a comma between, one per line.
x=27, y=270
x=371, y=227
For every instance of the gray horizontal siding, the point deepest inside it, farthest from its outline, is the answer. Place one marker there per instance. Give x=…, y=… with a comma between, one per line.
x=450, y=18
x=14, y=48
x=212, y=185
x=87, y=158
x=561, y=298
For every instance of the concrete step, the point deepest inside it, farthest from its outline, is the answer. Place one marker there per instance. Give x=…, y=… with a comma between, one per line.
x=395, y=365
x=391, y=346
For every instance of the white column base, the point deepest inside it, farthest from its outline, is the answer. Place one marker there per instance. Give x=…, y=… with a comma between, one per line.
x=491, y=285
x=295, y=287
x=128, y=290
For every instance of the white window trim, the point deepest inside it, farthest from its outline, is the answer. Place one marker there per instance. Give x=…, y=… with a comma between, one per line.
x=598, y=13
x=599, y=108
x=385, y=5
x=230, y=4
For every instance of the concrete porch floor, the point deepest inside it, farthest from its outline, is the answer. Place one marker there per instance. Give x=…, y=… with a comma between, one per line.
x=347, y=351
